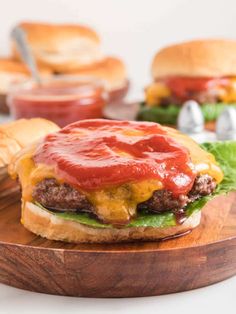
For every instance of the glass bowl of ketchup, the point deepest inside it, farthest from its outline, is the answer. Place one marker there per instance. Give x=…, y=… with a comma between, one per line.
x=62, y=99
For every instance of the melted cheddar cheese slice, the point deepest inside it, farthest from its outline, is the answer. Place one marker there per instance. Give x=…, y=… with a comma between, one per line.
x=203, y=161
x=155, y=92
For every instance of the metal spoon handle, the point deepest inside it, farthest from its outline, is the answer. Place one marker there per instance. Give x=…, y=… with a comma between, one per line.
x=20, y=39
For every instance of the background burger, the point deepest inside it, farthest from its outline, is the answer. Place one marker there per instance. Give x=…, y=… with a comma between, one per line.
x=202, y=70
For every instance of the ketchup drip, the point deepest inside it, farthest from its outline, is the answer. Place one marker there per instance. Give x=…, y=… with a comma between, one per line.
x=95, y=154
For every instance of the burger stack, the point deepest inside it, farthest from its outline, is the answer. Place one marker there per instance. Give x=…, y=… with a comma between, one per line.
x=74, y=50
x=64, y=49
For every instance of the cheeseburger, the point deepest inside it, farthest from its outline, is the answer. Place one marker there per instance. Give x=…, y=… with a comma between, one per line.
x=112, y=181
x=201, y=70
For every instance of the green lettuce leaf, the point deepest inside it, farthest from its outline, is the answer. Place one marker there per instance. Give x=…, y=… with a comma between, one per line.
x=169, y=114
x=224, y=153
x=212, y=111
x=163, y=115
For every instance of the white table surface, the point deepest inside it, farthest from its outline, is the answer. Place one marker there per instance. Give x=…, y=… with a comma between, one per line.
x=218, y=298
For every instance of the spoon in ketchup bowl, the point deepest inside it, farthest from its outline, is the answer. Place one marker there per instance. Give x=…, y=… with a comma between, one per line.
x=20, y=39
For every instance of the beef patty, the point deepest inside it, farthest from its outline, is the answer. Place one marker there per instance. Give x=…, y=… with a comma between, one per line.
x=63, y=197
x=163, y=200
x=60, y=197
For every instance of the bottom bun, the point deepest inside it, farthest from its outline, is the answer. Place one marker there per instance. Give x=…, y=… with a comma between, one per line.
x=49, y=226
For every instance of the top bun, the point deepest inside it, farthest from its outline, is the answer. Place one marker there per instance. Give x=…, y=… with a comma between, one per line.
x=16, y=135
x=61, y=46
x=11, y=66
x=198, y=58
x=111, y=70
x=8, y=65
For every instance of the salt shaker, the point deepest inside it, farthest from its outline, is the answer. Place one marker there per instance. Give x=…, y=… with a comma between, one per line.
x=190, y=119
x=226, y=125
x=191, y=122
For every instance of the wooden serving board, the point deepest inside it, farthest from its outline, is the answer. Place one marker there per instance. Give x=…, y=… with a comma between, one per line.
x=203, y=257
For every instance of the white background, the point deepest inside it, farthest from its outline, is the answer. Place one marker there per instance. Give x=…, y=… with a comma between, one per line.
x=133, y=30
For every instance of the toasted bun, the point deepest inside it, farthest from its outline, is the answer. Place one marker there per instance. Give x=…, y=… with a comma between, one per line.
x=198, y=58
x=49, y=226
x=111, y=69
x=17, y=134
x=9, y=65
x=12, y=71
x=61, y=46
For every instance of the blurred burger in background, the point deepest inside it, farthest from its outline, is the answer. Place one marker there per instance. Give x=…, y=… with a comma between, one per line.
x=201, y=70
x=74, y=50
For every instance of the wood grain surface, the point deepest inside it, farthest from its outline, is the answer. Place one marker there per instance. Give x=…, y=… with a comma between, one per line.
x=203, y=257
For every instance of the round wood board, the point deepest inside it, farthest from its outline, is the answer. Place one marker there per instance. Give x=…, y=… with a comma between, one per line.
x=203, y=257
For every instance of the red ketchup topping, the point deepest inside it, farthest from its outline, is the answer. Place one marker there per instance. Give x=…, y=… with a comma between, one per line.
x=95, y=154
x=181, y=87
